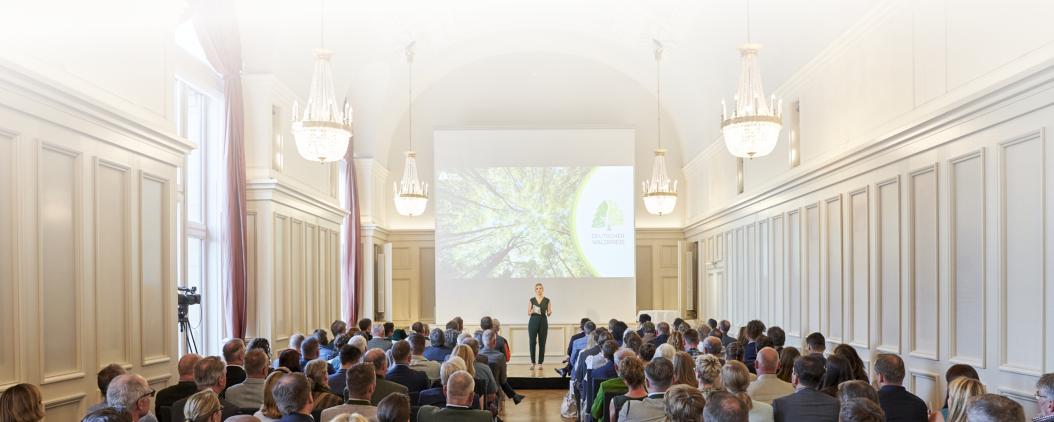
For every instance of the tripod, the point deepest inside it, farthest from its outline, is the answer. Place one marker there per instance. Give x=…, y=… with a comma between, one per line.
x=184, y=327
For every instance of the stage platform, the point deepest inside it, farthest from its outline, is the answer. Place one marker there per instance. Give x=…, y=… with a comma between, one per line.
x=522, y=377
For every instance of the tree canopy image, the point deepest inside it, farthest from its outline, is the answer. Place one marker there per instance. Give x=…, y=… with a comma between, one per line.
x=608, y=215
x=510, y=222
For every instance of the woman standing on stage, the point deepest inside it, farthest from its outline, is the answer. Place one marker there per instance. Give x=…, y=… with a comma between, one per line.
x=538, y=327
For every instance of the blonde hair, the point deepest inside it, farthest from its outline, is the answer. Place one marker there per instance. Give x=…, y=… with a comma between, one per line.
x=539, y=285
x=684, y=370
x=708, y=370
x=684, y=403
x=201, y=406
x=353, y=417
x=960, y=391
x=736, y=379
x=452, y=365
x=318, y=372
x=269, y=407
x=22, y=403
x=465, y=353
x=676, y=339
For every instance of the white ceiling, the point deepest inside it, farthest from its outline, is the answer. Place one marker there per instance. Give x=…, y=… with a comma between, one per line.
x=611, y=36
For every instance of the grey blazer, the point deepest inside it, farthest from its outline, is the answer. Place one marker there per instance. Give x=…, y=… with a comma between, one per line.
x=452, y=414
x=806, y=404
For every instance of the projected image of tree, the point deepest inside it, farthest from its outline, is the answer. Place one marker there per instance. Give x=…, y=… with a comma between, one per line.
x=511, y=222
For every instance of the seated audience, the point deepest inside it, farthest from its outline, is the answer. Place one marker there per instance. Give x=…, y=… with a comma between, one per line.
x=105, y=414
x=631, y=340
x=203, y=406
x=684, y=404
x=321, y=396
x=437, y=396
x=665, y=350
x=857, y=389
x=379, y=360
x=596, y=339
x=787, y=358
x=641, y=320
x=362, y=381
x=325, y=347
x=614, y=385
x=437, y=351
x=778, y=337
x=768, y=386
x=631, y=373
x=856, y=365
x=1045, y=398
x=209, y=374
x=309, y=351
x=647, y=333
x=956, y=371
x=807, y=403
x=479, y=370
x=755, y=330
x=234, y=356
x=292, y=394
x=269, y=411
x=349, y=356
x=296, y=340
x=364, y=327
x=836, y=372
x=338, y=343
x=708, y=372
x=607, y=369
x=734, y=351
x=736, y=379
x=330, y=349
x=712, y=346
x=290, y=359
x=816, y=344
x=994, y=408
x=960, y=392
x=260, y=343
x=24, y=403
x=459, y=394
x=725, y=407
x=102, y=379
x=725, y=328
x=249, y=394
x=580, y=344
x=182, y=389
x=896, y=401
x=131, y=393
x=662, y=333
x=394, y=408
x=380, y=339
x=691, y=342
x=496, y=358
x=577, y=338
x=503, y=343
x=684, y=370
x=401, y=373
x=861, y=410
x=418, y=361
x=659, y=375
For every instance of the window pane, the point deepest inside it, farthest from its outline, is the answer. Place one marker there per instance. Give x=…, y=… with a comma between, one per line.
x=194, y=128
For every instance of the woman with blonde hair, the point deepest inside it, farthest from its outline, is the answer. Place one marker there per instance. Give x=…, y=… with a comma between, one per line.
x=960, y=391
x=465, y=353
x=269, y=410
x=22, y=403
x=676, y=340
x=736, y=379
x=684, y=404
x=318, y=372
x=684, y=370
x=203, y=406
x=708, y=372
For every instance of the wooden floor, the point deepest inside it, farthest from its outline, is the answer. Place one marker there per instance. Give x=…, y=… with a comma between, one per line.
x=540, y=405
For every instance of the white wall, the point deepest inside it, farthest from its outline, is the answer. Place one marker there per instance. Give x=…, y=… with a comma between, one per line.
x=917, y=222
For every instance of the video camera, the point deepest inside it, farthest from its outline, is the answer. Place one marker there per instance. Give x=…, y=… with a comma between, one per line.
x=188, y=296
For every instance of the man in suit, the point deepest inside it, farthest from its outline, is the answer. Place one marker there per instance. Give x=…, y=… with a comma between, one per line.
x=768, y=386
x=994, y=408
x=641, y=319
x=418, y=361
x=581, y=370
x=379, y=360
x=815, y=345
x=1045, y=398
x=362, y=380
x=249, y=394
x=379, y=340
x=496, y=358
x=292, y=394
x=309, y=351
x=807, y=403
x=691, y=342
x=662, y=335
x=349, y=356
x=131, y=393
x=364, y=326
x=607, y=370
x=726, y=326
x=578, y=345
x=896, y=401
x=185, y=388
x=438, y=351
x=209, y=373
x=712, y=346
x=658, y=374
x=566, y=370
x=722, y=406
x=402, y=373
x=648, y=333
x=459, y=390
x=755, y=329
x=234, y=355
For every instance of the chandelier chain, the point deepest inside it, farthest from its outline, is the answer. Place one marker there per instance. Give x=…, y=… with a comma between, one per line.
x=748, y=21
x=410, y=94
x=658, y=94
x=322, y=25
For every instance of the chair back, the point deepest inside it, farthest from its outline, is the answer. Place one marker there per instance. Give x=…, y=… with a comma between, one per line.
x=608, y=396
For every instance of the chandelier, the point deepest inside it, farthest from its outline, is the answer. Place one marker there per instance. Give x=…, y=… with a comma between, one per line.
x=411, y=195
x=323, y=131
x=659, y=192
x=753, y=127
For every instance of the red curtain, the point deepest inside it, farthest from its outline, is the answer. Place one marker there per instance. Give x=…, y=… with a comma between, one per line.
x=352, y=256
x=216, y=23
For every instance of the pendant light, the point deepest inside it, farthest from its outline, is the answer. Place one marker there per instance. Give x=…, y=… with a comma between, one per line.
x=753, y=127
x=659, y=193
x=411, y=195
x=323, y=131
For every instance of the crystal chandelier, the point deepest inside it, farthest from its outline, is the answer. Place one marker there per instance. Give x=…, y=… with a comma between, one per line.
x=753, y=127
x=323, y=131
x=411, y=195
x=659, y=192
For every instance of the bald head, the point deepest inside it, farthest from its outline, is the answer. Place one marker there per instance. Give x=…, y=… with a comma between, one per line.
x=768, y=361
x=459, y=388
x=711, y=346
x=378, y=359
x=186, y=366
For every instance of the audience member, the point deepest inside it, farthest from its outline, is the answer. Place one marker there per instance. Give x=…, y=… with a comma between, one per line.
x=658, y=374
x=503, y=343
x=641, y=320
x=597, y=338
x=684, y=404
x=499, y=366
x=711, y=324
x=861, y=410
x=209, y=374
x=459, y=394
x=691, y=342
x=1045, y=398
x=676, y=339
x=631, y=340
x=24, y=403
x=778, y=336
x=349, y=356
x=615, y=385
x=580, y=344
x=309, y=351
x=105, y=414
x=897, y=403
x=684, y=370
x=755, y=330
x=325, y=347
x=131, y=393
x=467, y=351
x=648, y=334
x=994, y=408
x=379, y=360
x=290, y=359
x=380, y=340
x=712, y=346
x=815, y=345
x=437, y=351
x=362, y=381
x=339, y=343
x=182, y=389
x=857, y=389
x=787, y=358
x=203, y=406
x=577, y=338
x=836, y=372
x=734, y=351
x=960, y=392
x=618, y=332
x=736, y=379
x=292, y=394
x=321, y=396
x=437, y=396
x=102, y=379
x=269, y=411
x=401, y=373
x=856, y=365
x=418, y=361
x=768, y=386
x=234, y=356
x=295, y=341
x=364, y=327
x=725, y=327
x=249, y=394
x=338, y=328
x=956, y=371
x=260, y=343
x=807, y=403
x=394, y=408
x=708, y=372
x=725, y=407
x=631, y=373
x=665, y=350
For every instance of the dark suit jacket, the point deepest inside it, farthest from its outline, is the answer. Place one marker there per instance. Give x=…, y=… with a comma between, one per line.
x=902, y=406
x=409, y=378
x=660, y=339
x=497, y=364
x=436, y=397
x=172, y=394
x=573, y=338
x=292, y=417
x=235, y=376
x=750, y=354
x=726, y=339
x=806, y=404
x=384, y=388
x=229, y=409
x=338, y=381
x=452, y=414
x=580, y=366
x=605, y=372
x=437, y=354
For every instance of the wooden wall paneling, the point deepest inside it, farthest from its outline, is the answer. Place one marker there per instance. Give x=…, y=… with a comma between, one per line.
x=66, y=408
x=833, y=276
x=311, y=286
x=428, y=286
x=750, y=288
x=154, y=267
x=645, y=294
x=764, y=265
x=814, y=291
x=926, y=386
x=297, y=287
x=888, y=264
x=968, y=258
x=859, y=272
x=10, y=354
x=401, y=275
x=282, y=327
x=112, y=233
x=779, y=273
x=667, y=272
x=924, y=304
x=793, y=300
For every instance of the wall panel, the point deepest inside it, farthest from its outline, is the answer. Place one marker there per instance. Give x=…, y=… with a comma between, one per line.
x=112, y=258
x=835, y=323
x=968, y=258
x=153, y=265
x=859, y=272
x=9, y=306
x=281, y=300
x=59, y=262
x=793, y=302
x=764, y=266
x=813, y=289
x=779, y=272
x=925, y=301
x=926, y=386
x=888, y=265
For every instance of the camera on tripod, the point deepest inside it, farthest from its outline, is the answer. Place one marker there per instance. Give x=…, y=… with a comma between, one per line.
x=187, y=297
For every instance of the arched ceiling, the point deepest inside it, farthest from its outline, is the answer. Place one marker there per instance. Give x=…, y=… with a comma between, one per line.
x=700, y=65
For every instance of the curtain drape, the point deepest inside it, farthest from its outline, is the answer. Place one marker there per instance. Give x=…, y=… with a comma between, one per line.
x=216, y=24
x=352, y=256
